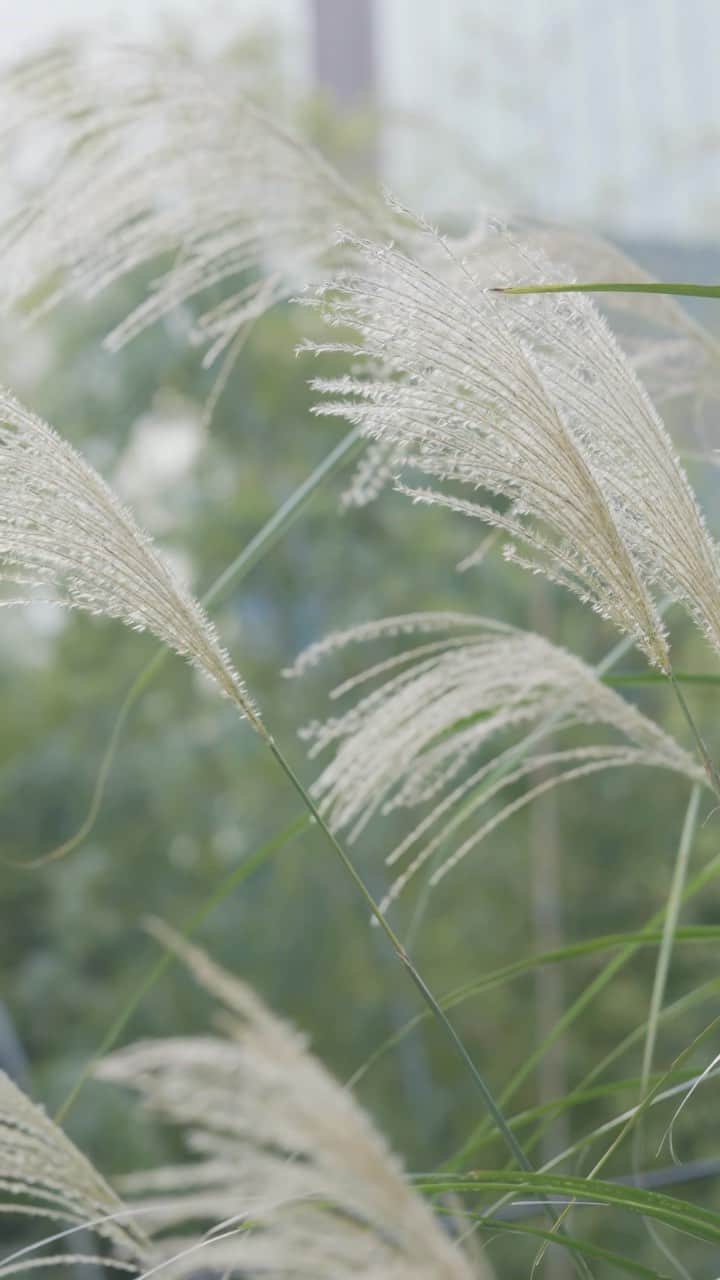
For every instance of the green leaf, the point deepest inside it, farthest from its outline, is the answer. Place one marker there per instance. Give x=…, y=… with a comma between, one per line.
x=691, y=1219
x=583, y=1247
x=605, y=286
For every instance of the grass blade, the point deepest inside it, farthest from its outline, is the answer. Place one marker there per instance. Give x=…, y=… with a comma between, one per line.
x=259, y=546
x=234, y=878
x=605, y=286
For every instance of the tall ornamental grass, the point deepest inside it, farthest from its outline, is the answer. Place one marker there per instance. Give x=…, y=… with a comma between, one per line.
x=468, y=383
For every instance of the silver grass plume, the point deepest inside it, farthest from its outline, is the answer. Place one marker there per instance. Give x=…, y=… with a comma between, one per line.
x=534, y=403
x=62, y=529
x=158, y=154
x=424, y=718
x=44, y=1176
x=288, y=1174
x=677, y=357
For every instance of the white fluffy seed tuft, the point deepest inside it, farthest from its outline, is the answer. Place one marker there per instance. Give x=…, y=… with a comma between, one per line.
x=417, y=737
x=48, y=1178
x=531, y=400
x=288, y=1174
x=63, y=530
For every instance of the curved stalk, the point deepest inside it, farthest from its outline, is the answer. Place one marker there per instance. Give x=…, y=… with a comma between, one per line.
x=258, y=546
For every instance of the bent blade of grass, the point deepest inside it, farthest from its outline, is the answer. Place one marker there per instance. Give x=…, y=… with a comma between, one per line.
x=625, y=1122
x=585, y=998
x=668, y=1135
x=630, y=943
x=591, y=1251
x=684, y=1216
x=662, y=966
x=631, y=1123
x=657, y=997
x=680, y=1081
x=521, y=968
x=249, y=864
x=586, y=1090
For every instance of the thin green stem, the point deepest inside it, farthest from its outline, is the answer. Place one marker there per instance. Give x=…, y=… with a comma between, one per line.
x=710, y=770
x=662, y=967
x=254, y=860
x=258, y=546
x=587, y=995
x=672, y=912
x=285, y=516
x=629, y=678
x=435, y=1009
x=656, y=1002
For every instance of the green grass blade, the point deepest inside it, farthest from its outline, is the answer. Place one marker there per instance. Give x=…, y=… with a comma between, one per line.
x=683, y=290
x=585, y=998
x=669, y=932
x=284, y=518
x=682, y=1215
x=646, y=937
x=249, y=864
x=259, y=546
x=621, y=679
x=433, y=1006
x=586, y=1090
x=591, y=1251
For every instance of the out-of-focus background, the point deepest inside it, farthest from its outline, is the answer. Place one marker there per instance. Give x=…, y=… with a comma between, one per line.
x=600, y=116
x=601, y=113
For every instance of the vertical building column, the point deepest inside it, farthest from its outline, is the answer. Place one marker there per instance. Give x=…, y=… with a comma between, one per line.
x=343, y=58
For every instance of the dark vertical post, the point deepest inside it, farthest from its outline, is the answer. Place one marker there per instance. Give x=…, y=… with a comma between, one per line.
x=343, y=54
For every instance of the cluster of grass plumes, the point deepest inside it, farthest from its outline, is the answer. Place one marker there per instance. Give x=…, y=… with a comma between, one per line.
x=413, y=741
x=63, y=530
x=47, y=1178
x=526, y=413
x=677, y=358
x=531, y=400
x=287, y=1175
x=157, y=154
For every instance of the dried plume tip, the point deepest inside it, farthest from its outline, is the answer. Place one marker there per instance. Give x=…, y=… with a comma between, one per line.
x=423, y=717
x=531, y=400
x=62, y=529
x=288, y=1174
x=46, y=1177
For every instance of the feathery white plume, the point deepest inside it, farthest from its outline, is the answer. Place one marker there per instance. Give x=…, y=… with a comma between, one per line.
x=289, y=1174
x=45, y=1176
x=158, y=154
x=675, y=355
x=433, y=708
x=531, y=399
x=62, y=528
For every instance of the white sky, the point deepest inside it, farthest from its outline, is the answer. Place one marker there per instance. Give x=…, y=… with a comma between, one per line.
x=25, y=24
x=601, y=111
